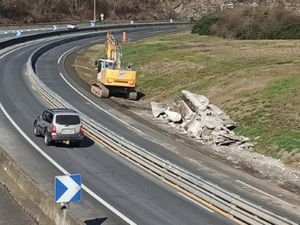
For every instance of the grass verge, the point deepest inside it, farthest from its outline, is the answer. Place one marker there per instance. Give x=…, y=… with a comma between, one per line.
x=256, y=82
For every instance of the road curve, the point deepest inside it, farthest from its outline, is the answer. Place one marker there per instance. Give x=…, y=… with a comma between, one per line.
x=132, y=192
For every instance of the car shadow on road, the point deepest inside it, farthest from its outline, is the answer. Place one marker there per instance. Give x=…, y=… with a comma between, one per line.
x=85, y=143
x=96, y=221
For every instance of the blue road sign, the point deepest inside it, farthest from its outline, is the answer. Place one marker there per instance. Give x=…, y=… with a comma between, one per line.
x=92, y=24
x=18, y=33
x=67, y=188
x=54, y=27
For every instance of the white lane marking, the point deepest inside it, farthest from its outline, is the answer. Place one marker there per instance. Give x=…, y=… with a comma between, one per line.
x=5, y=32
x=58, y=61
x=28, y=29
x=262, y=192
x=93, y=103
x=118, y=213
x=33, y=87
x=195, y=202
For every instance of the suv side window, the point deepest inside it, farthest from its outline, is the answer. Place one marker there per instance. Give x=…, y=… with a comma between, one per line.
x=49, y=117
x=44, y=116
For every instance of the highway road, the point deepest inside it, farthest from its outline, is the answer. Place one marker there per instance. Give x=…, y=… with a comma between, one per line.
x=134, y=195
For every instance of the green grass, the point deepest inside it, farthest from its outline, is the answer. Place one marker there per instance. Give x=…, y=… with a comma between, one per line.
x=256, y=82
x=282, y=87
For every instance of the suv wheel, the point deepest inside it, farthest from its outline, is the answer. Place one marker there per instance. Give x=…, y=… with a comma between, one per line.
x=35, y=131
x=46, y=139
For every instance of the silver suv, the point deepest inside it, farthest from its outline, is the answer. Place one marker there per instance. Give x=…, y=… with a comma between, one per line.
x=59, y=125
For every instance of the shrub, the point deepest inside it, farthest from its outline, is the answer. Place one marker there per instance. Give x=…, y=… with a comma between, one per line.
x=246, y=22
x=204, y=24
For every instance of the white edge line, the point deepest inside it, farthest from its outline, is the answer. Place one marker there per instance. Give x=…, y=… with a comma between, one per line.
x=58, y=61
x=195, y=202
x=126, y=219
x=256, y=189
x=86, y=98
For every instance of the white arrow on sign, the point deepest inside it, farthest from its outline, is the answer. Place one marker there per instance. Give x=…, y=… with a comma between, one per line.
x=72, y=186
x=18, y=33
x=54, y=27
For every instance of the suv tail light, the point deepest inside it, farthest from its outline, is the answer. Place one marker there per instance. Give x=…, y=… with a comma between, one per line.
x=81, y=129
x=53, y=130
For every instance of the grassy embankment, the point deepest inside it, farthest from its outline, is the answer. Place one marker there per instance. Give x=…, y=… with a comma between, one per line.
x=256, y=82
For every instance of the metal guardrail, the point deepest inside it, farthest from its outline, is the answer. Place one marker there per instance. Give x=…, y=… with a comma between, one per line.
x=233, y=206
x=21, y=39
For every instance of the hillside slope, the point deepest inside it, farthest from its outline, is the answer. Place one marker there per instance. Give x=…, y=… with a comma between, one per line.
x=32, y=11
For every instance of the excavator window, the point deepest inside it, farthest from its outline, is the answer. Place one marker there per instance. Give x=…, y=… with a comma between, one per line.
x=99, y=67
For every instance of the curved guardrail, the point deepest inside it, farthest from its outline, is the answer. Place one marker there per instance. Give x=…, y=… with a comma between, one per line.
x=230, y=205
x=21, y=39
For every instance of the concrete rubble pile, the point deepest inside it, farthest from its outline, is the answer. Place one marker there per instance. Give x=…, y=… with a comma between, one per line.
x=196, y=117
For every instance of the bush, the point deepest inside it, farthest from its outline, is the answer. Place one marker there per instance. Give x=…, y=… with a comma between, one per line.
x=204, y=24
x=246, y=22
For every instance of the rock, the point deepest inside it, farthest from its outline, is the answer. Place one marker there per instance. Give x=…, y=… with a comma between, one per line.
x=229, y=123
x=173, y=116
x=198, y=103
x=158, y=108
x=212, y=122
x=215, y=110
x=194, y=126
x=247, y=145
x=173, y=107
x=232, y=137
x=185, y=110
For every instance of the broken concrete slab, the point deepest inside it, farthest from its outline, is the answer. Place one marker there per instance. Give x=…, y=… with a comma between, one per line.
x=201, y=120
x=158, y=108
x=215, y=110
x=212, y=122
x=198, y=103
x=173, y=107
x=173, y=116
x=194, y=126
x=185, y=110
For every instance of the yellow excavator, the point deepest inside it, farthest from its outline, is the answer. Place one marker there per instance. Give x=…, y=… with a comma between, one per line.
x=111, y=78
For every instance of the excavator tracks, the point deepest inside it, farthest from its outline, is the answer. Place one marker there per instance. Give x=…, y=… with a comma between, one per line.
x=100, y=90
x=132, y=96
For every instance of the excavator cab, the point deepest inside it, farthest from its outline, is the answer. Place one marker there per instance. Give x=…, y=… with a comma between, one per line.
x=105, y=64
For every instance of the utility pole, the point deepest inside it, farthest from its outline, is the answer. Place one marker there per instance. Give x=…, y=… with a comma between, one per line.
x=95, y=6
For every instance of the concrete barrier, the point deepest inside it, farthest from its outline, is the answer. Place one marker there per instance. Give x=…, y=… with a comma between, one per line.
x=42, y=206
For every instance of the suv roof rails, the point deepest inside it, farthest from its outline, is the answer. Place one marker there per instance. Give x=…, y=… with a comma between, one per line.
x=62, y=109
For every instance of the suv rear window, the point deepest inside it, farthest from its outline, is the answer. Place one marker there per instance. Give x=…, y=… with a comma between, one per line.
x=67, y=119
